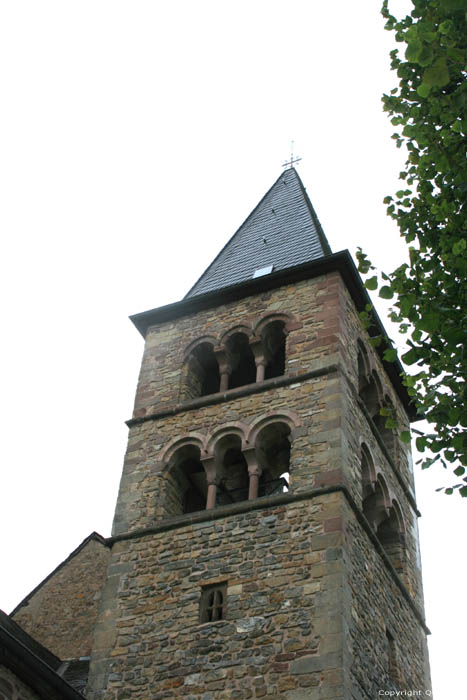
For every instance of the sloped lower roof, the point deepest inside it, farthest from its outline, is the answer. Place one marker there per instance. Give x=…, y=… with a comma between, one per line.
x=283, y=231
x=35, y=665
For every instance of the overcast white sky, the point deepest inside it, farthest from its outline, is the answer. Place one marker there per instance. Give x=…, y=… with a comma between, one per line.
x=135, y=137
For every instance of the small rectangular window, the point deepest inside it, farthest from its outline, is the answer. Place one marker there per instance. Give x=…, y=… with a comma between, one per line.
x=213, y=602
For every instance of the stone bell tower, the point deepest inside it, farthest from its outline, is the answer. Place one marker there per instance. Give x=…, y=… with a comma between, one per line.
x=265, y=536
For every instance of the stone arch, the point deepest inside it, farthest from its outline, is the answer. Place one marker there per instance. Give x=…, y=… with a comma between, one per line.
x=235, y=428
x=286, y=318
x=368, y=472
x=200, y=373
x=196, y=439
x=232, y=467
x=185, y=477
x=240, y=357
x=388, y=435
x=199, y=341
x=391, y=534
x=372, y=394
x=291, y=418
x=272, y=435
x=363, y=367
x=240, y=328
x=376, y=504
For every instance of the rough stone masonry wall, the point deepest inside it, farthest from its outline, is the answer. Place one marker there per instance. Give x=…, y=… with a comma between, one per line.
x=282, y=635
x=12, y=688
x=61, y=615
x=376, y=606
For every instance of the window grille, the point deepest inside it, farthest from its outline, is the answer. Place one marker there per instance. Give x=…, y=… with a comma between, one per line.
x=213, y=599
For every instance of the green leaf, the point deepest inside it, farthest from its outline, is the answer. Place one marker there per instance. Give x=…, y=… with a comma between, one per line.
x=424, y=90
x=425, y=56
x=463, y=491
x=460, y=471
x=410, y=357
x=430, y=322
x=420, y=443
x=459, y=246
x=405, y=436
x=438, y=74
x=372, y=283
x=390, y=355
x=446, y=27
x=386, y=292
x=413, y=50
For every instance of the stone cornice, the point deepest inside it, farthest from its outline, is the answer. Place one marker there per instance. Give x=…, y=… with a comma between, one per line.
x=222, y=397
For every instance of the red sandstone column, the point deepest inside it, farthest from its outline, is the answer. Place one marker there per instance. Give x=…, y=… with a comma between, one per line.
x=254, y=472
x=211, y=497
x=225, y=374
x=254, y=484
x=224, y=368
x=260, y=359
x=210, y=467
x=260, y=368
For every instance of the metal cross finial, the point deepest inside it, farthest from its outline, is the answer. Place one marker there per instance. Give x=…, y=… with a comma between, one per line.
x=289, y=163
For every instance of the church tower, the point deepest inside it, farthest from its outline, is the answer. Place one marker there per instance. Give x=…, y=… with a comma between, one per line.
x=265, y=536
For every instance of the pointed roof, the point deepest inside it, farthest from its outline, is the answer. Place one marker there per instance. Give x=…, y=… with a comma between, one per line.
x=282, y=230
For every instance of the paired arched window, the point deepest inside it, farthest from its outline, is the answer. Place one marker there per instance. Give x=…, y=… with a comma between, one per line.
x=382, y=513
x=241, y=358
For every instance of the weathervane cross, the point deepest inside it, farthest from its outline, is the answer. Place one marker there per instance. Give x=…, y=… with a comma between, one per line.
x=289, y=163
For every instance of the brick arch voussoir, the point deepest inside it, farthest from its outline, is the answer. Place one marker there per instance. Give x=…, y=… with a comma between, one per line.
x=290, y=418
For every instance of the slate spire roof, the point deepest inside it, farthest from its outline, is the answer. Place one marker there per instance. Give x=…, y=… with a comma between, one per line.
x=282, y=230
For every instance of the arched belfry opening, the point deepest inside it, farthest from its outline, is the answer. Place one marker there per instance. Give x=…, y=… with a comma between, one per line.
x=273, y=338
x=273, y=450
x=186, y=482
x=201, y=374
x=387, y=433
x=370, y=391
x=368, y=473
x=241, y=360
x=363, y=369
x=385, y=519
x=392, y=536
x=233, y=468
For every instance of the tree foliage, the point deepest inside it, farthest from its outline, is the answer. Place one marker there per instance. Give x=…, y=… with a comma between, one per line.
x=428, y=108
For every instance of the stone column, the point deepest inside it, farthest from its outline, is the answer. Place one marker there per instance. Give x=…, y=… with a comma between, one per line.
x=254, y=472
x=225, y=368
x=260, y=358
x=212, y=493
x=210, y=467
